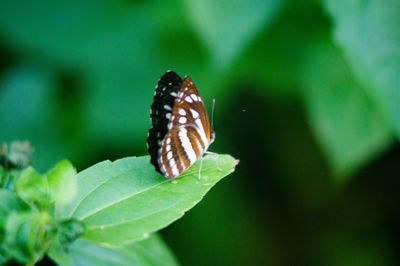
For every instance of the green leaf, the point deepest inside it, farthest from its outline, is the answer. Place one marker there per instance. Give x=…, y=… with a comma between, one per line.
x=28, y=235
x=62, y=182
x=369, y=33
x=124, y=201
x=3, y=177
x=32, y=187
x=8, y=178
x=67, y=232
x=228, y=26
x=272, y=61
x=150, y=251
x=345, y=121
x=9, y=201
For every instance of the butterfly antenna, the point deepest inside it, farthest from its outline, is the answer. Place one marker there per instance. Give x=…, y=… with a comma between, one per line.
x=212, y=114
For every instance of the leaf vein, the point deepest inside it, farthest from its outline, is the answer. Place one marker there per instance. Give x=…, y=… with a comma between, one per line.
x=136, y=193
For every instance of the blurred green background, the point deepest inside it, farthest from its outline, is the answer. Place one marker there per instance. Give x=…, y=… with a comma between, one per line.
x=307, y=97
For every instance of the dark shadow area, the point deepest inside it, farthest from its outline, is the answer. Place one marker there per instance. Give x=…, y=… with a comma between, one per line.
x=304, y=217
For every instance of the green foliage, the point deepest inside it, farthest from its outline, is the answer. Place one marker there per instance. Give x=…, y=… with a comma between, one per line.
x=9, y=202
x=150, y=251
x=33, y=188
x=56, y=186
x=369, y=33
x=345, y=120
x=62, y=182
x=112, y=203
x=27, y=223
x=126, y=200
x=131, y=47
x=8, y=177
x=68, y=231
x=28, y=235
x=77, y=79
x=227, y=27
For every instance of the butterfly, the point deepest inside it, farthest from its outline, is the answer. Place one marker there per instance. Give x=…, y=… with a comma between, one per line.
x=181, y=131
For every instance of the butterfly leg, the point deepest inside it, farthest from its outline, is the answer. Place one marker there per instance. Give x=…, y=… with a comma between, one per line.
x=201, y=163
x=216, y=158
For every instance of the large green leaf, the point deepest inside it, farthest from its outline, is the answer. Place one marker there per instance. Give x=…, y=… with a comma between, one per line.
x=150, y=251
x=271, y=64
x=369, y=32
x=345, y=121
x=228, y=26
x=124, y=201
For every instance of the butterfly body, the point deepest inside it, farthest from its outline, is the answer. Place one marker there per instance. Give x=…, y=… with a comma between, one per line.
x=181, y=131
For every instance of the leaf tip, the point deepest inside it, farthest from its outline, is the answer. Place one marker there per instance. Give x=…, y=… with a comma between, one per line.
x=235, y=162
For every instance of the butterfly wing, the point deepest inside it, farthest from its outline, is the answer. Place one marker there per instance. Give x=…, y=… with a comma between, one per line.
x=189, y=132
x=166, y=91
x=189, y=110
x=181, y=128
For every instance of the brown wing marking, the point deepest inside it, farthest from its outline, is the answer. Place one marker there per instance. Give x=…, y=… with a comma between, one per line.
x=195, y=141
x=175, y=151
x=176, y=163
x=182, y=155
x=189, y=100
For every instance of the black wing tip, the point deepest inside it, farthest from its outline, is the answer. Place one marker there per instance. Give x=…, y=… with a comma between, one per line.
x=170, y=75
x=170, y=71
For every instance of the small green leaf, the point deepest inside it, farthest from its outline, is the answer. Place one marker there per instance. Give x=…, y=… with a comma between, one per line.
x=3, y=177
x=67, y=232
x=126, y=200
x=32, y=187
x=369, y=33
x=151, y=251
x=28, y=235
x=9, y=201
x=345, y=121
x=62, y=182
x=8, y=178
x=228, y=26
